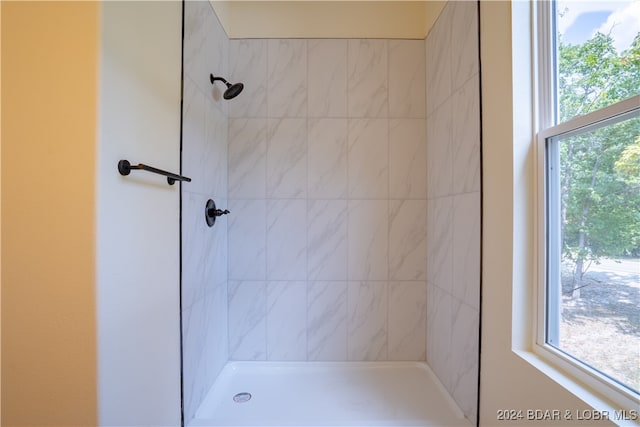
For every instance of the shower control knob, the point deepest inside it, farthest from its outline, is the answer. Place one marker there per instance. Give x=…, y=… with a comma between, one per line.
x=211, y=212
x=218, y=212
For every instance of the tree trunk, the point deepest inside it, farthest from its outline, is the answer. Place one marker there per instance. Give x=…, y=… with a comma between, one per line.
x=578, y=274
x=582, y=237
x=564, y=192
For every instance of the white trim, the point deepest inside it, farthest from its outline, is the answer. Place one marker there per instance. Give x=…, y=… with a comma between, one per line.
x=619, y=396
x=591, y=395
x=545, y=64
x=607, y=115
x=579, y=376
x=547, y=246
x=610, y=389
x=551, y=280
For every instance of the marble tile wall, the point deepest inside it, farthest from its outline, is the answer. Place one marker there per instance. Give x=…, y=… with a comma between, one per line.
x=204, y=249
x=327, y=188
x=453, y=202
x=354, y=231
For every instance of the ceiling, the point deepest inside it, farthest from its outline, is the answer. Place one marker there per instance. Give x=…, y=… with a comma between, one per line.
x=327, y=18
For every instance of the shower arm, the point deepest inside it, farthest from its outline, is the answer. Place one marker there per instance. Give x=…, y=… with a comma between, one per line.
x=213, y=79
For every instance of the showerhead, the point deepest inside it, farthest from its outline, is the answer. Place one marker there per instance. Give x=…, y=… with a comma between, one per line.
x=232, y=91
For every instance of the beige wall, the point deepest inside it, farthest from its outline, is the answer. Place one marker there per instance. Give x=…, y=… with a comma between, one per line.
x=327, y=19
x=0, y=219
x=49, y=70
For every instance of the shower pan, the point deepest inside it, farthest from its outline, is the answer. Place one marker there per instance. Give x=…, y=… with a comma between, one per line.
x=328, y=394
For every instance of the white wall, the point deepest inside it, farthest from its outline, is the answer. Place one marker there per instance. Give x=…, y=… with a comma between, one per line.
x=137, y=215
x=507, y=380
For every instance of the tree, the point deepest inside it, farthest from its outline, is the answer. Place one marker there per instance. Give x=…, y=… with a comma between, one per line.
x=628, y=165
x=600, y=188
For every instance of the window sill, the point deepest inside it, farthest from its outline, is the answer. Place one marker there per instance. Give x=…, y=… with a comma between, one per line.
x=619, y=413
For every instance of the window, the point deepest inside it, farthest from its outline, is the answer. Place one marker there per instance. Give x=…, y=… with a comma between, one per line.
x=589, y=193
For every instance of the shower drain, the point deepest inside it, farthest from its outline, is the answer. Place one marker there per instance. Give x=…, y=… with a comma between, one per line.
x=242, y=397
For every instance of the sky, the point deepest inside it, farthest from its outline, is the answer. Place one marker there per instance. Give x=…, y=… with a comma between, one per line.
x=583, y=18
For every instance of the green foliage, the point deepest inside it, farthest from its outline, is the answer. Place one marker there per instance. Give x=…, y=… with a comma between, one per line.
x=600, y=170
x=628, y=165
x=593, y=75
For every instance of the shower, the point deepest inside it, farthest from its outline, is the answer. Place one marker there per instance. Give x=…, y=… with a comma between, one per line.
x=232, y=91
x=320, y=283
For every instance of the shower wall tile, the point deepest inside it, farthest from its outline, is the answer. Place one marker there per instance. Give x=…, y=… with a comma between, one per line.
x=407, y=159
x=453, y=195
x=205, y=349
x=439, y=330
x=248, y=64
x=407, y=78
x=195, y=323
x=368, y=238
x=286, y=321
x=327, y=158
x=220, y=236
x=204, y=250
x=407, y=320
x=466, y=248
x=327, y=321
x=217, y=339
x=407, y=239
x=218, y=36
x=247, y=239
x=247, y=320
x=464, y=357
x=326, y=189
x=439, y=148
x=216, y=61
x=247, y=158
x=439, y=244
x=206, y=49
x=327, y=78
x=287, y=78
x=199, y=255
x=438, y=64
x=368, y=159
x=204, y=143
x=287, y=158
x=327, y=239
x=195, y=32
x=213, y=171
x=367, y=340
x=193, y=132
x=464, y=42
x=286, y=239
x=466, y=139
x=367, y=90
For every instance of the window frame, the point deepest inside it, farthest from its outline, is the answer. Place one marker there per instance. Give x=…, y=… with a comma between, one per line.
x=547, y=108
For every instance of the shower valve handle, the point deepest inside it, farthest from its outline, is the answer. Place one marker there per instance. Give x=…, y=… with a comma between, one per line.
x=211, y=212
x=218, y=212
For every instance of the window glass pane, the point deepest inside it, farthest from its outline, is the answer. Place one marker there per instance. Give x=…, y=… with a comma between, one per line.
x=598, y=54
x=595, y=179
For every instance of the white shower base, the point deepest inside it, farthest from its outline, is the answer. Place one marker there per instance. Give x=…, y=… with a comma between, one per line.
x=329, y=394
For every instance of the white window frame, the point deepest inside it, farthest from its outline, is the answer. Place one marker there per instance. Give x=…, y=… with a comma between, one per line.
x=621, y=397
